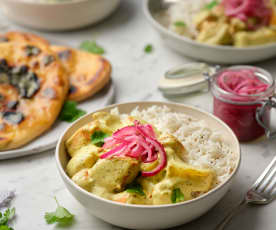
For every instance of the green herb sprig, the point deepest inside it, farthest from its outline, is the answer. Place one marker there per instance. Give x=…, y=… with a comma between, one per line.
x=5, y=218
x=61, y=216
x=92, y=47
x=148, y=48
x=135, y=187
x=177, y=196
x=211, y=5
x=70, y=112
x=179, y=24
x=98, y=137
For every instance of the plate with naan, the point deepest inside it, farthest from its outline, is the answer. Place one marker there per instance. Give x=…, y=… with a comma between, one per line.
x=40, y=85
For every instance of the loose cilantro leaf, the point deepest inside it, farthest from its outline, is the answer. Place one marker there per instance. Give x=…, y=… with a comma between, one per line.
x=5, y=218
x=98, y=137
x=211, y=5
x=179, y=23
x=61, y=216
x=92, y=47
x=148, y=48
x=70, y=112
x=5, y=227
x=177, y=196
x=135, y=187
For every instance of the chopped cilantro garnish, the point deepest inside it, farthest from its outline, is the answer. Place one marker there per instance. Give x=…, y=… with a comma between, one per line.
x=148, y=48
x=61, y=216
x=5, y=218
x=211, y=5
x=70, y=112
x=179, y=23
x=135, y=187
x=177, y=196
x=91, y=47
x=98, y=137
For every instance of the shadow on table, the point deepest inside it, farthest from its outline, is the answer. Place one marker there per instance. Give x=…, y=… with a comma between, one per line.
x=211, y=219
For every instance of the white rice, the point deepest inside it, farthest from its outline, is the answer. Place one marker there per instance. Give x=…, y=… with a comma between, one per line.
x=205, y=147
x=184, y=11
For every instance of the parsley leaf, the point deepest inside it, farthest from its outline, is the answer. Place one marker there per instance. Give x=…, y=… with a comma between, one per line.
x=98, y=137
x=92, y=47
x=148, y=48
x=177, y=196
x=135, y=187
x=211, y=5
x=70, y=112
x=179, y=23
x=61, y=216
x=5, y=218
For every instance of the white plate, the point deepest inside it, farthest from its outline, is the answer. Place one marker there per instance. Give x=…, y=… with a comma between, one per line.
x=200, y=51
x=49, y=139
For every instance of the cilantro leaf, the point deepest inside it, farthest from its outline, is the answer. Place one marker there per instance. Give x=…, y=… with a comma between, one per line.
x=179, y=23
x=5, y=227
x=98, y=137
x=148, y=48
x=211, y=5
x=177, y=196
x=6, y=216
x=135, y=187
x=70, y=112
x=61, y=216
x=91, y=47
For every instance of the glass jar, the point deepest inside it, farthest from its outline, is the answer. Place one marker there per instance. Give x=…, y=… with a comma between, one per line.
x=247, y=115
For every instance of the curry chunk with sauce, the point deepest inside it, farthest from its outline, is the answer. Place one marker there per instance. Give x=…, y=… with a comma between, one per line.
x=123, y=162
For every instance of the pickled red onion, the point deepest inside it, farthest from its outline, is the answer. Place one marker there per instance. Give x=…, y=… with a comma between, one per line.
x=249, y=9
x=139, y=142
x=241, y=82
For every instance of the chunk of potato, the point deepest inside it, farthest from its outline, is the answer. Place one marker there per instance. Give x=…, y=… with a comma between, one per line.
x=252, y=38
x=86, y=158
x=214, y=33
x=114, y=173
x=83, y=179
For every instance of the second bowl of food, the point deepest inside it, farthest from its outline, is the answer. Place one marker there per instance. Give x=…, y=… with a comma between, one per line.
x=219, y=31
x=148, y=165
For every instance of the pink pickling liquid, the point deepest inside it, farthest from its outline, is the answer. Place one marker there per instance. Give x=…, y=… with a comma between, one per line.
x=240, y=117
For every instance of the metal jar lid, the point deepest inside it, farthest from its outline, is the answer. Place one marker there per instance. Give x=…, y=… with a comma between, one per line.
x=186, y=78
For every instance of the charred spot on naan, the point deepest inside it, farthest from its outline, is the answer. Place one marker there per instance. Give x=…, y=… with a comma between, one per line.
x=35, y=94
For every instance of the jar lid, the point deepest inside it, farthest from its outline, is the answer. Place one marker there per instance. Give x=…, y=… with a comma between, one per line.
x=186, y=78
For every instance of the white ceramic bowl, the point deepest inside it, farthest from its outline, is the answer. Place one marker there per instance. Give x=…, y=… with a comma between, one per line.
x=200, y=51
x=143, y=216
x=63, y=15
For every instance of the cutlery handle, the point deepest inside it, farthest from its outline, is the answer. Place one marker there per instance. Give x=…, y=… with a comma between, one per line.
x=230, y=215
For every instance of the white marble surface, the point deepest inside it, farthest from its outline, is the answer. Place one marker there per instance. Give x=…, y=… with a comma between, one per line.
x=135, y=75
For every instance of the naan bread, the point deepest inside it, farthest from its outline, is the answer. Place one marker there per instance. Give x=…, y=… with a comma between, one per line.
x=33, y=87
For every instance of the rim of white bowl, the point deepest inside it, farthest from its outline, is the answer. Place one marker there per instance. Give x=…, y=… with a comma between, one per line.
x=44, y=3
x=157, y=25
x=91, y=195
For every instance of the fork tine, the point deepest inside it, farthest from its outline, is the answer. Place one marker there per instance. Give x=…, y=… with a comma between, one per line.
x=260, y=180
x=271, y=186
x=267, y=180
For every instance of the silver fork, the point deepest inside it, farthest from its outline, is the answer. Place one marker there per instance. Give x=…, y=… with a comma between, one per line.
x=263, y=191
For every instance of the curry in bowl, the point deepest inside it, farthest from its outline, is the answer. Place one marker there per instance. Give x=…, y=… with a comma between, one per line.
x=151, y=157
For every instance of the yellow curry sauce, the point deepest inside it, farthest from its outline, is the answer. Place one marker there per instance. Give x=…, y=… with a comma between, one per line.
x=119, y=178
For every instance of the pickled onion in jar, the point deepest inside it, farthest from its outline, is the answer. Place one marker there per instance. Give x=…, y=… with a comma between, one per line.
x=241, y=90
